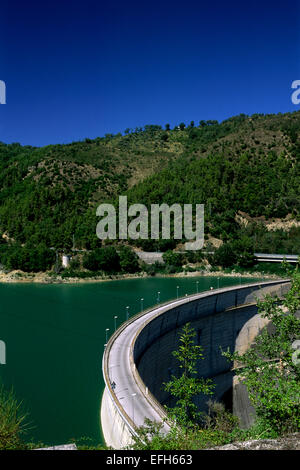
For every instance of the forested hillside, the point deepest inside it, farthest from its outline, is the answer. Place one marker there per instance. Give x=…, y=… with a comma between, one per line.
x=245, y=170
x=246, y=179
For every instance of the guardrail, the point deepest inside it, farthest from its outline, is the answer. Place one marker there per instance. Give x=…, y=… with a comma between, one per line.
x=271, y=257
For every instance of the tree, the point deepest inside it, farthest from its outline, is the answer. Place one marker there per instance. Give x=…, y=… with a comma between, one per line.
x=102, y=259
x=270, y=369
x=186, y=387
x=239, y=251
x=28, y=258
x=243, y=247
x=90, y=262
x=128, y=260
x=172, y=258
x=224, y=256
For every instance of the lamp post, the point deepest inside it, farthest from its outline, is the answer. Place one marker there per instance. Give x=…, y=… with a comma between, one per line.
x=177, y=291
x=218, y=282
x=142, y=304
x=106, y=333
x=110, y=369
x=127, y=313
x=158, y=297
x=132, y=397
x=115, y=319
x=197, y=284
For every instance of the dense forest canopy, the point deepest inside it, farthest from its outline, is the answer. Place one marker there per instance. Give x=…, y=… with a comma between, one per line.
x=245, y=165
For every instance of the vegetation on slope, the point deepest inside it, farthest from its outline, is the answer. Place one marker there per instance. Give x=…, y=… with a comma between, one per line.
x=239, y=173
x=49, y=195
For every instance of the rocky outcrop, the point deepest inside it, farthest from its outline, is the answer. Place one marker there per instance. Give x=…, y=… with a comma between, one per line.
x=290, y=442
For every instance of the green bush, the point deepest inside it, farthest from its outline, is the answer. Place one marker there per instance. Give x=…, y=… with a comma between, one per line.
x=74, y=264
x=102, y=259
x=12, y=421
x=128, y=260
x=268, y=368
x=27, y=258
x=173, y=258
x=237, y=252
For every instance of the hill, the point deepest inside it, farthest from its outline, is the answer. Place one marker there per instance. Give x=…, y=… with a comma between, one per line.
x=245, y=170
x=247, y=175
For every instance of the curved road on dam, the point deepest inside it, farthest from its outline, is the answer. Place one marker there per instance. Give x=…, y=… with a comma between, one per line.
x=123, y=383
x=120, y=369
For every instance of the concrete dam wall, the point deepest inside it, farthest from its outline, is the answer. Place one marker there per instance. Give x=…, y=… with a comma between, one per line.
x=138, y=358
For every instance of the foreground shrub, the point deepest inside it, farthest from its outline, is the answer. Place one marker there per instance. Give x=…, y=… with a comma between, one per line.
x=12, y=421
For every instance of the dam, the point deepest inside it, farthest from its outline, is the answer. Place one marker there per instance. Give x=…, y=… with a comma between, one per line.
x=138, y=357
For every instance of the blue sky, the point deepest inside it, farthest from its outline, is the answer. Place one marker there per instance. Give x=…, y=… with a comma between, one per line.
x=82, y=69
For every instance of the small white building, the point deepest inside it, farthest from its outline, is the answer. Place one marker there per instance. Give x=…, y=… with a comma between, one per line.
x=65, y=261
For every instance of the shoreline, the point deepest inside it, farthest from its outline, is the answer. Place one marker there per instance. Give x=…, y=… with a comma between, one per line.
x=46, y=278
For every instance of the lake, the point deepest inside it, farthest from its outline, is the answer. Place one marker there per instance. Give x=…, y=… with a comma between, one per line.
x=55, y=336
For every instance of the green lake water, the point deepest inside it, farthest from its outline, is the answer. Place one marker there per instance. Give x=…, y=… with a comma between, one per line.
x=55, y=335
